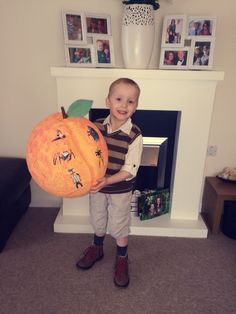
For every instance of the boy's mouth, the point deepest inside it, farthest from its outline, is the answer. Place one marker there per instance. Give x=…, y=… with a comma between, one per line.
x=123, y=112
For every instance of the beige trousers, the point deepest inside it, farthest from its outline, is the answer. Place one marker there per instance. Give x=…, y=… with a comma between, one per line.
x=110, y=212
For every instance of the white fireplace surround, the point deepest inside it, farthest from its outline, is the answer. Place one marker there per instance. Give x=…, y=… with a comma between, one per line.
x=192, y=93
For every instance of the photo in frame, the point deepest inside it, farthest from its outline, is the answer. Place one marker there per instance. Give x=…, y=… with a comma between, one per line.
x=174, y=30
x=201, y=26
x=98, y=24
x=80, y=55
x=174, y=58
x=74, y=27
x=153, y=203
x=104, y=51
x=201, y=53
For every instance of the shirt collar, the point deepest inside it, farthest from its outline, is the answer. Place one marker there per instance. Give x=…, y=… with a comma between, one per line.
x=126, y=127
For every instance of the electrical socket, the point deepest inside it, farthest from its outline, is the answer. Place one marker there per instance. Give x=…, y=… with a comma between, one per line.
x=212, y=150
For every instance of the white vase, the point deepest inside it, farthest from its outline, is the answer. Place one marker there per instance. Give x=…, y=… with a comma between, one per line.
x=137, y=35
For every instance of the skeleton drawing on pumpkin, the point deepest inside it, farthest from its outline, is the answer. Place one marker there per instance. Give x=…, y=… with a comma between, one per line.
x=65, y=156
x=59, y=136
x=93, y=133
x=75, y=177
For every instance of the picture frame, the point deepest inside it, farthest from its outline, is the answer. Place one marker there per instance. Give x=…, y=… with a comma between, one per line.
x=201, y=53
x=154, y=203
x=200, y=26
x=74, y=27
x=98, y=24
x=174, y=31
x=174, y=58
x=80, y=55
x=104, y=51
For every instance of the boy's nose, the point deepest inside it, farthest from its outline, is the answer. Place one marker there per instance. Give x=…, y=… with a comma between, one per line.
x=124, y=103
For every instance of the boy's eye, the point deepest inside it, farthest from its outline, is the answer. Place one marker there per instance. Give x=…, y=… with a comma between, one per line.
x=118, y=99
x=131, y=101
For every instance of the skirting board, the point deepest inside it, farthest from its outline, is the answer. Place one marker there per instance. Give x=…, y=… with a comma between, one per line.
x=161, y=226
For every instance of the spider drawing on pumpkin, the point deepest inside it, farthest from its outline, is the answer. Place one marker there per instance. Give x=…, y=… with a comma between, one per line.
x=75, y=177
x=98, y=153
x=93, y=133
x=59, y=136
x=65, y=156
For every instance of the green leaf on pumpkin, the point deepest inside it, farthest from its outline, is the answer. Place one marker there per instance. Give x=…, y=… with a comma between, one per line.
x=79, y=108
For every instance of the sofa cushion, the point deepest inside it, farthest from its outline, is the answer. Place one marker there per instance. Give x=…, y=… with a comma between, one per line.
x=12, y=215
x=14, y=178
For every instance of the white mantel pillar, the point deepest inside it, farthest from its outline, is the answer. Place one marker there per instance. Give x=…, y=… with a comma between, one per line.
x=192, y=93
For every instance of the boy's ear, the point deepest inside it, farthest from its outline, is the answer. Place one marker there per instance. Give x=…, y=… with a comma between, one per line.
x=107, y=102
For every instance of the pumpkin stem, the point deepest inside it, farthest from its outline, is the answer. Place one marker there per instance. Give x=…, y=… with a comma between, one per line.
x=64, y=114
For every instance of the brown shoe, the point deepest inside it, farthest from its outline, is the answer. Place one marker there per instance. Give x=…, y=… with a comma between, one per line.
x=91, y=255
x=121, y=278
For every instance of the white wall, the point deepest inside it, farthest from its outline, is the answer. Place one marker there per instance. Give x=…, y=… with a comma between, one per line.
x=32, y=41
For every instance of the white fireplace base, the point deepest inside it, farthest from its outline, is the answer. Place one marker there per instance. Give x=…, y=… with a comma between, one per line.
x=161, y=226
x=192, y=93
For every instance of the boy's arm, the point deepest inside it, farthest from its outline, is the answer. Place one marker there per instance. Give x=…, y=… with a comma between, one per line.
x=133, y=157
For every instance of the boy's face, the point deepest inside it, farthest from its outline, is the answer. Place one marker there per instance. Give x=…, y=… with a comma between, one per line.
x=122, y=101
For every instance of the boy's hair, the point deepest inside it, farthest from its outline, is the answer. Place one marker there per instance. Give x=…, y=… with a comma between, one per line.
x=125, y=81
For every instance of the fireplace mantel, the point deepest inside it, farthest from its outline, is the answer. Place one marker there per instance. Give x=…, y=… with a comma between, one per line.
x=145, y=74
x=192, y=93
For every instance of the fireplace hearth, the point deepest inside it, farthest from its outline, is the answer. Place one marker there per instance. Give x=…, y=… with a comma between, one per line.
x=190, y=94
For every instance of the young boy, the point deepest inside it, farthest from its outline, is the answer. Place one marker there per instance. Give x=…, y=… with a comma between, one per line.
x=110, y=198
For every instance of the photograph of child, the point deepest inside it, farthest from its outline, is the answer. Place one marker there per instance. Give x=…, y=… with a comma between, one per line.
x=103, y=51
x=80, y=55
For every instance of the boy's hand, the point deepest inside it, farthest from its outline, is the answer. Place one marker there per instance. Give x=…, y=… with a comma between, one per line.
x=118, y=177
x=99, y=185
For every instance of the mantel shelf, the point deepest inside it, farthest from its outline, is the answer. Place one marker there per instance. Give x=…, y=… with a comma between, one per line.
x=140, y=73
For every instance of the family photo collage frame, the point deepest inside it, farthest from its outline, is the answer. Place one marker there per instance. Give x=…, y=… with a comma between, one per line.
x=88, y=40
x=187, y=42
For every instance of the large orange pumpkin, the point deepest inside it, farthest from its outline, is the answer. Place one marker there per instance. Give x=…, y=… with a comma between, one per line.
x=66, y=155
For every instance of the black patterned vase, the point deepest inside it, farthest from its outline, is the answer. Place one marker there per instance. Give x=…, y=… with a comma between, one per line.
x=137, y=35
